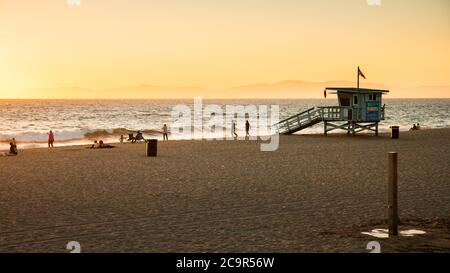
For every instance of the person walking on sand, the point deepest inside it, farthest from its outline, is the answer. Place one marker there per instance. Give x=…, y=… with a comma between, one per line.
x=165, y=133
x=247, y=128
x=233, y=129
x=121, y=139
x=51, y=139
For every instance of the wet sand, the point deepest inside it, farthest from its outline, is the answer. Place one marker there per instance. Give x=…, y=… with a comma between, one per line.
x=314, y=194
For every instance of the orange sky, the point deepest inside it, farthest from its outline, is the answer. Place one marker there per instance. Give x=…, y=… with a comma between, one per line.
x=104, y=44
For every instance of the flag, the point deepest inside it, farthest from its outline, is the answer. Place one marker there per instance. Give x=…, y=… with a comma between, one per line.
x=360, y=73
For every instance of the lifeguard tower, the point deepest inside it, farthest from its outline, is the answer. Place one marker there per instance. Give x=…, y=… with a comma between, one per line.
x=359, y=110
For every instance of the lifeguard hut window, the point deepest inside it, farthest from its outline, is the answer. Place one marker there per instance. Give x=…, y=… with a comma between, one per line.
x=345, y=102
x=372, y=97
x=355, y=100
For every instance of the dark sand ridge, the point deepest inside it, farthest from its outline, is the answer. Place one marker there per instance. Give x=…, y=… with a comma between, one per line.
x=315, y=194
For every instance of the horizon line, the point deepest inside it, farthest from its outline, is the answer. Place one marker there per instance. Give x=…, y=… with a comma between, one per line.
x=218, y=98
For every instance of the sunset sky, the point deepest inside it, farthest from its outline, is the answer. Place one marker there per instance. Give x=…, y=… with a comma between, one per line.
x=104, y=44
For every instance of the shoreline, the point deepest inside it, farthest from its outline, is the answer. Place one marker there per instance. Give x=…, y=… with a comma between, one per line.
x=86, y=143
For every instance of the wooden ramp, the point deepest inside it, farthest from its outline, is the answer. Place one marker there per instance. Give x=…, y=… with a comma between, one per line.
x=300, y=121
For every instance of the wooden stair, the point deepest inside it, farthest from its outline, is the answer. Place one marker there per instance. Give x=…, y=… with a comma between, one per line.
x=300, y=121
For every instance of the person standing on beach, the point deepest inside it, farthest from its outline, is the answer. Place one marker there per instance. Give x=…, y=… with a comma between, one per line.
x=247, y=128
x=233, y=129
x=165, y=133
x=51, y=139
x=121, y=139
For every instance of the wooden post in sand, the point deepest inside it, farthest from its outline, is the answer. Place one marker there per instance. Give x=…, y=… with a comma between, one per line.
x=393, y=194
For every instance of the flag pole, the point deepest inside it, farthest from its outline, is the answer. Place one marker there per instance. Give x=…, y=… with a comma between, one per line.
x=358, y=77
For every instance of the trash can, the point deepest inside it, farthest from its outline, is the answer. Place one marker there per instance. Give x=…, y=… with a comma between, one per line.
x=395, y=132
x=151, y=146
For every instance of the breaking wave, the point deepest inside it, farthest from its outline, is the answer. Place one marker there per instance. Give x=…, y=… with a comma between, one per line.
x=73, y=135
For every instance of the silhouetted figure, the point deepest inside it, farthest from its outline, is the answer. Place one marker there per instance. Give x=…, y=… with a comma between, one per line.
x=95, y=145
x=233, y=129
x=13, y=149
x=131, y=138
x=104, y=145
x=101, y=145
x=51, y=139
x=247, y=128
x=165, y=132
x=139, y=136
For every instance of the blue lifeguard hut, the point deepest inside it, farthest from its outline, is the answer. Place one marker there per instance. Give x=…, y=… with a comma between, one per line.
x=358, y=110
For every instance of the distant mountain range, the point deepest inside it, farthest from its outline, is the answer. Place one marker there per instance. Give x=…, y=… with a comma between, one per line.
x=282, y=90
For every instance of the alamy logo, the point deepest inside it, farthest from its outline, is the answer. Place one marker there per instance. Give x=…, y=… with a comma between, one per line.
x=73, y=3
x=374, y=2
x=374, y=246
x=74, y=246
x=212, y=122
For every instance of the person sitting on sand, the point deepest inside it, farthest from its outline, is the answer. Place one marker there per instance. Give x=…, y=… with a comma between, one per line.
x=103, y=145
x=12, y=150
x=95, y=145
x=100, y=145
x=414, y=128
x=139, y=136
x=418, y=126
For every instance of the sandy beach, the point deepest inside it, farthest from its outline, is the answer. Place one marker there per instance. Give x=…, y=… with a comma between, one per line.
x=314, y=194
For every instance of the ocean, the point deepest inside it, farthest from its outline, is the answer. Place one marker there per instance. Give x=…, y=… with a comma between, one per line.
x=82, y=121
